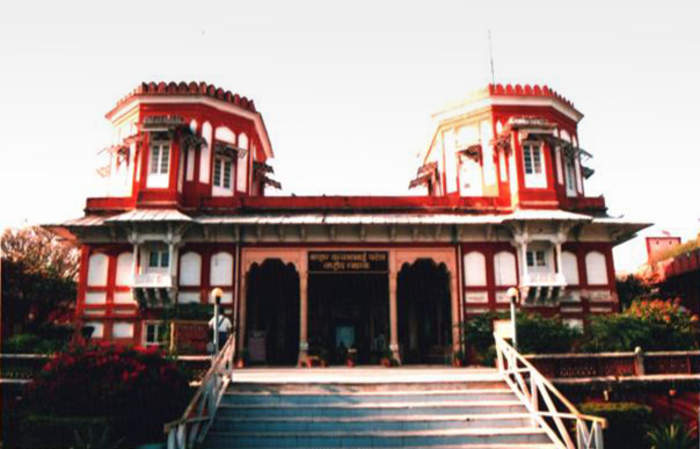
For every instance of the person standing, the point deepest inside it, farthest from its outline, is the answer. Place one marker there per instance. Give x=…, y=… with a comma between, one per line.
x=224, y=328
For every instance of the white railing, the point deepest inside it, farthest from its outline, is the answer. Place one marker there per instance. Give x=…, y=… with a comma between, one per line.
x=544, y=278
x=153, y=280
x=531, y=388
x=189, y=431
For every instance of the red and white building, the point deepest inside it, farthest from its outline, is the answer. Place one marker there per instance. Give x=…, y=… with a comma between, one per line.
x=500, y=202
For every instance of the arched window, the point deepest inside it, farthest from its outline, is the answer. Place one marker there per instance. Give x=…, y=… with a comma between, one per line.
x=221, y=270
x=596, y=268
x=474, y=269
x=224, y=134
x=504, y=269
x=125, y=269
x=243, y=141
x=190, y=269
x=97, y=270
x=569, y=267
x=205, y=154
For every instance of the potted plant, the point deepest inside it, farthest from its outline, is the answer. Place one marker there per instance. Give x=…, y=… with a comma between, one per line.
x=458, y=358
x=388, y=359
x=242, y=358
x=351, y=357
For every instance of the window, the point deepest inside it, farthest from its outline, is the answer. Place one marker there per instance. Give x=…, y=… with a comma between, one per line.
x=159, y=259
x=153, y=334
x=570, y=177
x=222, y=172
x=160, y=158
x=536, y=259
x=532, y=155
x=533, y=165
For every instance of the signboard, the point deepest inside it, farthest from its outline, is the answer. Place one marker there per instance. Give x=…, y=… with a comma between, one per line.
x=348, y=261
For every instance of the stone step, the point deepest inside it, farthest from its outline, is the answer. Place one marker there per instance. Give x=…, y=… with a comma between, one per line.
x=362, y=396
x=371, y=423
x=483, y=382
x=373, y=409
x=464, y=446
x=355, y=439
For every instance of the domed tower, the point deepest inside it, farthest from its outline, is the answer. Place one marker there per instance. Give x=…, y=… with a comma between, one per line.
x=515, y=145
x=184, y=145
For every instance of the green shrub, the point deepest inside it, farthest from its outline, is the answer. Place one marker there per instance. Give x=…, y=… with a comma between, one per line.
x=21, y=343
x=540, y=335
x=536, y=335
x=672, y=435
x=48, y=431
x=626, y=421
x=651, y=325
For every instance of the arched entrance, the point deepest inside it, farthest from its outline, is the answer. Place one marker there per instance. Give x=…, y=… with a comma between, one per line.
x=272, y=313
x=424, y=312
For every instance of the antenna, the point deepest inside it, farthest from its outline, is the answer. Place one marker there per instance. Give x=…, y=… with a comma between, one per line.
x=493, y=75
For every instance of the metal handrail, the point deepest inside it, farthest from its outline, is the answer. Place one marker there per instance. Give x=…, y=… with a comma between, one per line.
x=191, y=428
x=529, y=385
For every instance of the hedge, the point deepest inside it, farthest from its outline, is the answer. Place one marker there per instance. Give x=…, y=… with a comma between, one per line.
x=626, y=422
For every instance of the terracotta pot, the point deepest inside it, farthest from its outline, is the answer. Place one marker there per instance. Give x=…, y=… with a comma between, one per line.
x=385, y=362
x=350, y=363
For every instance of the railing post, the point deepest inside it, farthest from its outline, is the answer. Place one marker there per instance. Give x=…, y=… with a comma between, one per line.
x=499, y=357
x=534, y=397
x=638, y=361
x=598, y=435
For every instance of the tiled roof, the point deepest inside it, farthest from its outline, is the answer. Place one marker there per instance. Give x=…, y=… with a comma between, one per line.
x=518, y=90
x=192, y=89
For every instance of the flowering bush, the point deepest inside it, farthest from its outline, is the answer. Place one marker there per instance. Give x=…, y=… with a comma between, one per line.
x=650, y=324
x=139, y=388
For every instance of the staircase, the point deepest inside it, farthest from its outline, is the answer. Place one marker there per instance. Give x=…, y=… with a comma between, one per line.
x=373, y=407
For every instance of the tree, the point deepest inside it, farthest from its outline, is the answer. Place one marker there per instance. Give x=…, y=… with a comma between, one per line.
x=41, y=252
x=39, y=272
x=631, y=288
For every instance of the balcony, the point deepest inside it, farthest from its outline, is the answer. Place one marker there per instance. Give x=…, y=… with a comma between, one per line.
x=154, y=290
x=542, y=287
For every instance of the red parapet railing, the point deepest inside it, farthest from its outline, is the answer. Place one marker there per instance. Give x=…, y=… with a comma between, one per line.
x=617, y=364
x=586, y=203
x=109, y=203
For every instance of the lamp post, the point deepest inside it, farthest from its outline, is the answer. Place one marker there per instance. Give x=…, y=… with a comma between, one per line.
x=514, y=296
x=216, y=293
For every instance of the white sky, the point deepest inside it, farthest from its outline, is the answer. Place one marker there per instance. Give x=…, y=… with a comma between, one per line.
x=346, y=89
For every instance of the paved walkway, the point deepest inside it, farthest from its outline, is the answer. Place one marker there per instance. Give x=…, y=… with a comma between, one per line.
x=366, y=374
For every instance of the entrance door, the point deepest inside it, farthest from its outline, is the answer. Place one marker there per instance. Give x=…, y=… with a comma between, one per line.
x=424, y=318
x=348, y=311
x=272, y=313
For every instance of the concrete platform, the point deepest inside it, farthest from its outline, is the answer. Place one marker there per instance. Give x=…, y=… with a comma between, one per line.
x=364, y=374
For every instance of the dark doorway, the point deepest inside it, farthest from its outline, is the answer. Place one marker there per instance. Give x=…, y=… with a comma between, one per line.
x=424, y=318
x=348, y=311
x=272, y=313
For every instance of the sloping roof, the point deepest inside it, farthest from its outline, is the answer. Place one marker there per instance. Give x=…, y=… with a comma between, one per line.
x=546, y=214
x=140, y=215
x=333, y=218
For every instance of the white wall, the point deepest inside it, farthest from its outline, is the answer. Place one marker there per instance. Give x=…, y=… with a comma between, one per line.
x=474, y=269
x=125, y=269
x=242, y=164
x=190, y=269
x=122, y=329
x=596, y=268
x=221, y=270
x=97, y=270
x=569, y=267
x=205, y=154
x=505, y=269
